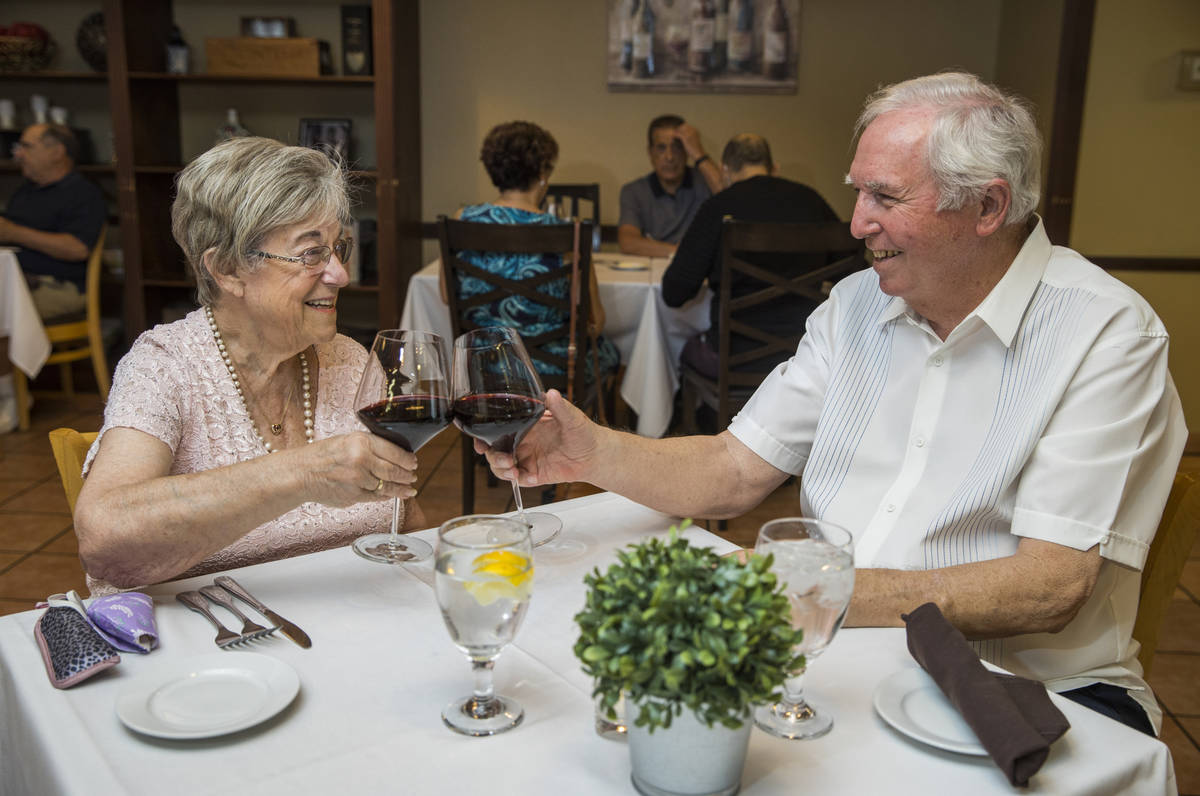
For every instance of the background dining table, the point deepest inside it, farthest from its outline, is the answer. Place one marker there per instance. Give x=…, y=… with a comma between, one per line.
x=382, y=666
x=649, y=334
x=28, y=346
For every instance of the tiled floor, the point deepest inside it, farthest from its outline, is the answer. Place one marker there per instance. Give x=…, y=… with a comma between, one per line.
x=38, y=555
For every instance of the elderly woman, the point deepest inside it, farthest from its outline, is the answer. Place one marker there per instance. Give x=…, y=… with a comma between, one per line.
x=230, y=436
x=519, y=158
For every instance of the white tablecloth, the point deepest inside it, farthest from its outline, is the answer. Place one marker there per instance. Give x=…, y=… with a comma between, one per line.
x=649, y=334
x=367, y=719
x=28, y=346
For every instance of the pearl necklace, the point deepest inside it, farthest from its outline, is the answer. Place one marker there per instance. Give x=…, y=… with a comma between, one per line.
x=305, y=386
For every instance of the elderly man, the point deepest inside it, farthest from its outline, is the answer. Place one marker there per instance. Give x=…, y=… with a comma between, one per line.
x=989, y=414
x=55, y=217
x=754, y=192
x=656, y=209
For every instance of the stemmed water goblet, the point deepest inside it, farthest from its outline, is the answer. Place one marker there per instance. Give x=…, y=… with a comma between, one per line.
x=483, y=579
x=404, y=397
x=498, y=397
x=814, y=561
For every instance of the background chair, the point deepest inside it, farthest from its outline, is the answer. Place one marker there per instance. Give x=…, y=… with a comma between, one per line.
x=70, y=449
x=459, y=236
x=740, y=373
x=564, y=198
x=72, y=338
x=1164, y=564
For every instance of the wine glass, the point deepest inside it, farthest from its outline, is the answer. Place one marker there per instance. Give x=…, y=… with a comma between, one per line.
x=814, y=560
x=404, y=397
x=483, y=579
x=497, y=399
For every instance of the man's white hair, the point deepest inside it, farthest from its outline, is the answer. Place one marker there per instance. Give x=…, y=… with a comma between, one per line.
x=978, y=134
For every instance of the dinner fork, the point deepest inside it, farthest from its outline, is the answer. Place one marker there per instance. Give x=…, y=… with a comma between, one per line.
x=195, y=600
x=250, y=630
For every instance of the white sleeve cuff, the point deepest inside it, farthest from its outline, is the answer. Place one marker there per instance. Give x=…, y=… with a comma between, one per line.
x=1114, y=546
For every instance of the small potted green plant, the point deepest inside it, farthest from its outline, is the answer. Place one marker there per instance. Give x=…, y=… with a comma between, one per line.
x=692, y=640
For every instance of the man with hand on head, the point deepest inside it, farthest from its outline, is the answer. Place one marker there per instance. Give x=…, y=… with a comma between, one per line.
x=990, y=415
x=657, y=208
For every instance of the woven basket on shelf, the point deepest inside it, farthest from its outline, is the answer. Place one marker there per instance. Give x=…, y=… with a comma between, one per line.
x=25, y=54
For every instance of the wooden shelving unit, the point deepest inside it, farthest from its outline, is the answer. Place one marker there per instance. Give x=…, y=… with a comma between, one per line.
x=145, y=105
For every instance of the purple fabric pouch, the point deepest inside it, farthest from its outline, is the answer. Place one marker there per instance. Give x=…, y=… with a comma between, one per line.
x=126, y=620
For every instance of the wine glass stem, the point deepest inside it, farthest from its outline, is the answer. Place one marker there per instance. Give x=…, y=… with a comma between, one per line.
x=517, y=494
x=793, y=693
x=394, y=541
x=484, y=690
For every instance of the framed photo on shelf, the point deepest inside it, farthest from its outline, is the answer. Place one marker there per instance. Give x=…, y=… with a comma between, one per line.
x=331, y=136
x=709, y=47
x=269, y=27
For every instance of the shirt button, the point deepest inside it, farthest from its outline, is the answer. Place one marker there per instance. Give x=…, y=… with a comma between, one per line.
x=891, y=507
x=919, y=442
x=937, y=362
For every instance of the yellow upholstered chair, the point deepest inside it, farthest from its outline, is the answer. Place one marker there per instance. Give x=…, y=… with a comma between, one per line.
x=70, y=449
x=73, y=340
x=1168, y=552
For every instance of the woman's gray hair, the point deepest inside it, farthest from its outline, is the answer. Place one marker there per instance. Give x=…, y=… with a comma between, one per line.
x=978, y=133
x=235, y=195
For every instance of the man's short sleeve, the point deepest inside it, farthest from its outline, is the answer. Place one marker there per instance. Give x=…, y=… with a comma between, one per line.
x=632, y=211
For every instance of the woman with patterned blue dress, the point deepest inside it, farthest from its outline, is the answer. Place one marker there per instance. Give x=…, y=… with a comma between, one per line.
x=519, y=157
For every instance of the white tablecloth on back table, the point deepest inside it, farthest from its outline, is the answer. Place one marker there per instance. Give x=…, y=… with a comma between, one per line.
x=28, y=346
x=367, y=719
x=649, y=334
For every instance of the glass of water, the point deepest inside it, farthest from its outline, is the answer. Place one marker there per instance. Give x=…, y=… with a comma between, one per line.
x=814, y=561
x=483, y=579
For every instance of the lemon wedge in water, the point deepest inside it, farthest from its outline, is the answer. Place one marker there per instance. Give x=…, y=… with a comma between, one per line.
x=509, y=577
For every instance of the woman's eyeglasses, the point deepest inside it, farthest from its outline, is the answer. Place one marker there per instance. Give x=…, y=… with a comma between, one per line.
x=314, y=258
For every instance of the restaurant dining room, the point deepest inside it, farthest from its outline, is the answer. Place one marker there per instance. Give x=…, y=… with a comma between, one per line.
x=759, y=396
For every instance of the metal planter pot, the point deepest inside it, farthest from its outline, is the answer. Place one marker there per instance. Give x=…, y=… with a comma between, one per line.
x=689, y=758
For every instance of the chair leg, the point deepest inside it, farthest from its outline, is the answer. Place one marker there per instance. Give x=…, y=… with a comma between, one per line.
x=688, y=400
x=21, y=389
x=68, y=380
x=468, y=475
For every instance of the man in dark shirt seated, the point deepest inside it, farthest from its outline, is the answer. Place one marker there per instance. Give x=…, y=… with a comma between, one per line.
x=55, y=217
x=754, y=193
x=657, y=208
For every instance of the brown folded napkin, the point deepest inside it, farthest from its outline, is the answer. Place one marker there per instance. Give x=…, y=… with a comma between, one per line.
x=1013, y=717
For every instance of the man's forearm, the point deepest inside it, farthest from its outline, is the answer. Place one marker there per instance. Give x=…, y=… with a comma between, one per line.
x=59, y=245
x=631, y=241
x=1039, y=589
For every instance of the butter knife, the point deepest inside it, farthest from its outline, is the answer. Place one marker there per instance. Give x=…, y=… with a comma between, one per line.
x=288, y=628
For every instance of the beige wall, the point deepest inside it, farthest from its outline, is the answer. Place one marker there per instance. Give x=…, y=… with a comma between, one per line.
x=484, y=62
x=1139, y=163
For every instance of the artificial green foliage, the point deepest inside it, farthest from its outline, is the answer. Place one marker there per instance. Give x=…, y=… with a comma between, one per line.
x=676, y=626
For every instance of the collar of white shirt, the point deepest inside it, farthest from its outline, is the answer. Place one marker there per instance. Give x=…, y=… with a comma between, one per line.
x=1004, y=306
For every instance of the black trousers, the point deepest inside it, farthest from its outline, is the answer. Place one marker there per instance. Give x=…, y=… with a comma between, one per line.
x=1114, y=702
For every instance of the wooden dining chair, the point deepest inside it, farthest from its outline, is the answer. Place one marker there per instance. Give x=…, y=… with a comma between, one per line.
x=836, y=253
x=456, y=237
x=73, y=338
x=569, y=195
x=70, y=449
x=1164, y=563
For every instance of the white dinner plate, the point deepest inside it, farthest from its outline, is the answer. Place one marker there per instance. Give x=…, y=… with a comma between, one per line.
x=627, y=265
x=208, y=696
x=911, y=701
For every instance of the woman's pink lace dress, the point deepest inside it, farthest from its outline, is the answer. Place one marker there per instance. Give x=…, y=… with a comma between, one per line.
x=173, y=386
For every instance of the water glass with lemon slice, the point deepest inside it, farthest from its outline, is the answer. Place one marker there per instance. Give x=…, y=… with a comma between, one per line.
x=483, y=580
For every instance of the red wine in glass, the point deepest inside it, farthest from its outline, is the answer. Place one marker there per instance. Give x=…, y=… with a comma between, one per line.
x=404, y=397
x=499, y=419
x=498, y=397
x=407, y=420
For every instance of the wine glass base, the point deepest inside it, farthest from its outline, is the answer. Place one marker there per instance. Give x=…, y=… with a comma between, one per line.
x=382, y=548
x=795, y=723
x=543, y=527
x=469, y=716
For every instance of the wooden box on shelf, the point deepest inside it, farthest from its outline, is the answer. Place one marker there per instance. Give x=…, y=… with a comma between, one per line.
x=298, y=57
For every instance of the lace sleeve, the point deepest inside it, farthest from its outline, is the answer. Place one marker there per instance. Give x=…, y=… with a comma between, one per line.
x=146, y=395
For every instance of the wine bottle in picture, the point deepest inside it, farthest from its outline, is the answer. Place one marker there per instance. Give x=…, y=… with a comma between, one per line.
x=741, y=36
x=628, y=20
x=700, y=49
x=720, y=52
x=775, y=42
x=643, y=43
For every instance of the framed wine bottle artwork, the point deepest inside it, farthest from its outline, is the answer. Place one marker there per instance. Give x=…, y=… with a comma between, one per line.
x=704, y=46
